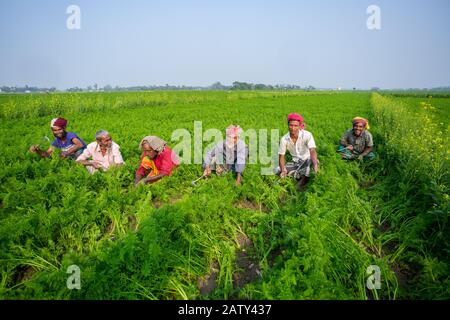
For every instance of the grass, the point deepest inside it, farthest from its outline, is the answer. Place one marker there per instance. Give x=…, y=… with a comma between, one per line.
x=392, y=212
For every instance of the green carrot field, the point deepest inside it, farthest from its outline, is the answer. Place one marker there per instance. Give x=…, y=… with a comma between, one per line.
x=263, y=240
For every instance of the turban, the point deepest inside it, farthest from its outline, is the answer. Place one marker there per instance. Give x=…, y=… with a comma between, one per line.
x=154, y=142
x=364, y=122
x=296, y=117
x=233, y=131
x=58, y=122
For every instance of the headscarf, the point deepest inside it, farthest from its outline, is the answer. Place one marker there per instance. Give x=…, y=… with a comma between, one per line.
x=58, y=122
x=149, y=164
x=156, y=143
x=296, y=117
x=364, y=122
x=232, y=132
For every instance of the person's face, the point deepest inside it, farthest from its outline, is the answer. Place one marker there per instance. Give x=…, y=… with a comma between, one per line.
x=59, y=132
x=231, y=141
x=149, y=151
x=105, y=142
x=294, y=126
x=358, y=129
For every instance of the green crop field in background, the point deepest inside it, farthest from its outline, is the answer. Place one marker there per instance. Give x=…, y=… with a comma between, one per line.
x=263, y=240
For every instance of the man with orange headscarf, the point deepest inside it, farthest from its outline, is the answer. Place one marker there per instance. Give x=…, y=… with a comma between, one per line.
x=357, y=143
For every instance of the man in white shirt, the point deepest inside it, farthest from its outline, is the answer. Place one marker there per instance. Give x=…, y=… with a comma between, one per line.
x=301, y=146
x=101, y=154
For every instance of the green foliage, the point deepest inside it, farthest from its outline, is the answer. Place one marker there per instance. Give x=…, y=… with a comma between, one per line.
x=158, y=241
x=416, y=193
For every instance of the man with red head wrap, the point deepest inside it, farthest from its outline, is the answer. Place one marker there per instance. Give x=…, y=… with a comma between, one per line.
x=301, y=146
x=70, y=144
x=228, y=155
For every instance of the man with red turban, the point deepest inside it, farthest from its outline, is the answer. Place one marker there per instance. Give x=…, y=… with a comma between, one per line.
x=357, y=143
x=301, y=146
x=227, y=155
x=69, y=143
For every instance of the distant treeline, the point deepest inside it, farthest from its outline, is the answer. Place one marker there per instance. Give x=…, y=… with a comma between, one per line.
x=444, y=91
x=108, y=88
x=26, y=89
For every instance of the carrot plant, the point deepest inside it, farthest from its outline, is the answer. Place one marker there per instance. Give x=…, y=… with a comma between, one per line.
x=173, y=240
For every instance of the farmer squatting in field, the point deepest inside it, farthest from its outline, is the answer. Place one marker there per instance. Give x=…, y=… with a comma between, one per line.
x=104, y=153
x=301, y=146
x=357, y=143
x=157, y=160
x=70, y=144
x=228, y=155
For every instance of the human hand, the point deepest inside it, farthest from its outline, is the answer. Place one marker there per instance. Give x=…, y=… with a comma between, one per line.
x=283, y=174
x=360, y=157
x=207, y=171
x=316, y=168
x=96, y=164
x=138, y=182
x=34, y=148
x=147, y=180
x=349, y=147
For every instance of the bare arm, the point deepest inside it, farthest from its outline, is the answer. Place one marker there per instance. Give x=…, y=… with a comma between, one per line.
x=154, y=178
x=117, y=164
x=137, y=179
x=238, y=179
x=207, y=161
x=314, y=160
x=43, y=154
x=282, y=161
x=91, y=163
x=366, y=151
x=140, y=174
x=77, y=145
x=83, y=159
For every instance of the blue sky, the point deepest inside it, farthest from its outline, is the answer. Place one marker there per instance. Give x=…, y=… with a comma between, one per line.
x=199, y=42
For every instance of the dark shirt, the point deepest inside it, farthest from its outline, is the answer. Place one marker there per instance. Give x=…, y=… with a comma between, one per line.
x=68, y=143
x=359, y=143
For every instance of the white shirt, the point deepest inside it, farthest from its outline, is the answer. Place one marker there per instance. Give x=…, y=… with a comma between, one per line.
x=299, y=150
x=112, y=155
